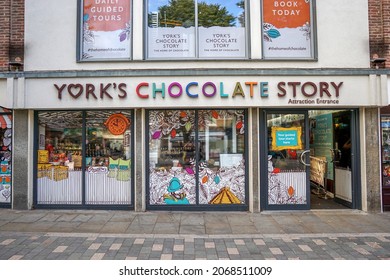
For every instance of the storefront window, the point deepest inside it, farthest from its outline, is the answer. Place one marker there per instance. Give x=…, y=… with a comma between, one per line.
x=221, y=157
x=108, y=157
x=72, y=170
x=197, y=157
x=5, y=157
x=59, y=178
x=196, y=29
x=172, y=159
x=288, y=29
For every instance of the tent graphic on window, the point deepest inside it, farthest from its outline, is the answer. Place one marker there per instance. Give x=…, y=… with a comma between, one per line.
x=225, y=196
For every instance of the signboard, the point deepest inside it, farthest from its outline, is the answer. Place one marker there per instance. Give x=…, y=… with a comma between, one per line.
x=286, y=138
x=200, y=91
x=105, y=29
x=287, y=29
x=318, y=166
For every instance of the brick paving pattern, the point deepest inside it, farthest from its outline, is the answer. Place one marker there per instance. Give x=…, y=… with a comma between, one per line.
x=121, y=235
x=33, y=246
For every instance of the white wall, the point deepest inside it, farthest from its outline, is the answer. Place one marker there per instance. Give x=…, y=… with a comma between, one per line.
x=5, y=101
x=50, y=39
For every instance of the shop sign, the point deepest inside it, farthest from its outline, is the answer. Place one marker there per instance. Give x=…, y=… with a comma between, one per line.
x=299, y=93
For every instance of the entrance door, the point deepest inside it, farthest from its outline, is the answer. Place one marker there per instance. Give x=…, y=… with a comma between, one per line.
x=287, y=183
x=310, y=160
x=342, y=157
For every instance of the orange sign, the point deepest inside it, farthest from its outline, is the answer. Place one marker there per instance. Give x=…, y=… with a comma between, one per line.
x=106, y=15
x=291, y=14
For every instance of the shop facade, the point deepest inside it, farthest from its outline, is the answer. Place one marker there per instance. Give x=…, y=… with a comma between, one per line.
x=232, y=149
x=189, y=116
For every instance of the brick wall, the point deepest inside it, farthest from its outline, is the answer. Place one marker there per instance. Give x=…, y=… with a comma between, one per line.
x=379, y=20
x=11, y=32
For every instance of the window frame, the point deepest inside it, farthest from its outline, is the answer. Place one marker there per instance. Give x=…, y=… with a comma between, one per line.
x=197, y=205
x=84, y=204
x=196, y=57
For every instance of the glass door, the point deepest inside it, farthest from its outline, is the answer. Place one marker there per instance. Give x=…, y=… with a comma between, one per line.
x=287, y=173
x=342, y=157
x=385, y=132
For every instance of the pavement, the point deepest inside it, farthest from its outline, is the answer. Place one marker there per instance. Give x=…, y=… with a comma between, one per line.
x=129, y=235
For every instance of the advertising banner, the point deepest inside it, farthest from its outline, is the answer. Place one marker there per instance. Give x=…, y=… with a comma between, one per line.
x=287, y=29
x=106, y=29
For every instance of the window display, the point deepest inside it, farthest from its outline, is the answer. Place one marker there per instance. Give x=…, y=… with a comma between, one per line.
x=96, y=170
x=197, y=157
x=5, y=156
x=385, y=132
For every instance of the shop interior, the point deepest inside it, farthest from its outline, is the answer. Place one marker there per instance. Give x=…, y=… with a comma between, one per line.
x=330, y=139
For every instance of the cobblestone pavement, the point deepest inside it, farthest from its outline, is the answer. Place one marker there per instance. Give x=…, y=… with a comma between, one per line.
x=55, y=246
x=122, y=235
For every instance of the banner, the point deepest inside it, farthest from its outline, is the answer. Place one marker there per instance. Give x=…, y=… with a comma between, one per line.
x=106, y=29
x=287, y=29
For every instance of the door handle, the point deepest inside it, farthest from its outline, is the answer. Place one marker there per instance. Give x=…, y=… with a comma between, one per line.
x=302, y=158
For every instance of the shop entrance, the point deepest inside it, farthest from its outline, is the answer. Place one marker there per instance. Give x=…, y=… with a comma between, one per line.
x=310, y=160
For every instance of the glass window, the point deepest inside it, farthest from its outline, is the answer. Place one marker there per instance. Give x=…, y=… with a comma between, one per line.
x=196, y=29
x=105, y=30
x=59, y=178
x=288, y=29
x=108, y=157
x=172, y=158
x=84, y=157
x=221, y=157
x=197, y=157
